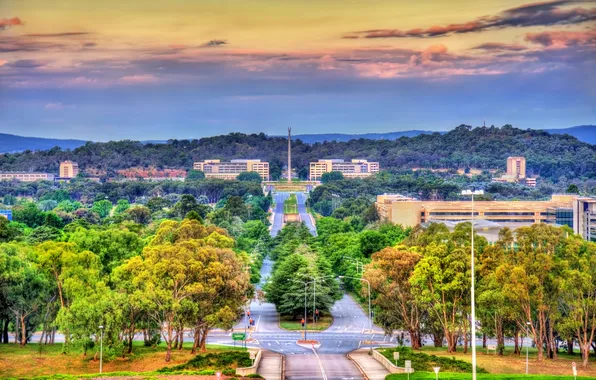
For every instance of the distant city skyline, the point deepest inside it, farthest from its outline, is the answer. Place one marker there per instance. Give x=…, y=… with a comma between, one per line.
x=154, y=70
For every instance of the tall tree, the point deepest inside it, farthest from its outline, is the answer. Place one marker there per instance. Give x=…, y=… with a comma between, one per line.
x=389, y=275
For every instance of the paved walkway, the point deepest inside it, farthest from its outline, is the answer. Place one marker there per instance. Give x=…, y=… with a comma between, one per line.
x=372, y=368
x=270, y=365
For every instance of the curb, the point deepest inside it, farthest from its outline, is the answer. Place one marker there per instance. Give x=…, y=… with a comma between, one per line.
x=358, y=366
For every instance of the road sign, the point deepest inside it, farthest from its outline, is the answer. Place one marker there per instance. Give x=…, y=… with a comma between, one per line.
x=252, y=354
x=238, y=336
x=408, y=364
x=574, y=368
x=396, y=355
x=218, y=375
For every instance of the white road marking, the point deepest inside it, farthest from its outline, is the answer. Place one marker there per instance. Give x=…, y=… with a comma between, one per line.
x=320, y=364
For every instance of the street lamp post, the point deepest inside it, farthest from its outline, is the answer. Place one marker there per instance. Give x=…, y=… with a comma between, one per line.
x=305, y=293
x=101, y=349
x=527, y=334
x=473, y=300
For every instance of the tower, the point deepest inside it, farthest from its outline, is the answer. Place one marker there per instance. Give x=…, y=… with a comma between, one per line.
x=289, y=155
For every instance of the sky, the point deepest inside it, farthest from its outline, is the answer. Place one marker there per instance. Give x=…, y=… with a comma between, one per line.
x=153, y=69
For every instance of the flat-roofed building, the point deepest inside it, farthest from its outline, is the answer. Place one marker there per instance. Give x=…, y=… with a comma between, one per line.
x=584, y=217
x=516, y=167
x=356, y=168
x=6, y=214
x=492, y=214
x=231, y=170
x=26, y=176
x=68, y=169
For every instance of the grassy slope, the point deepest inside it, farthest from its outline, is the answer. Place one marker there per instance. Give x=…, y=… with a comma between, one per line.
x=467, y=376
x=27, y=361
x=510, y=364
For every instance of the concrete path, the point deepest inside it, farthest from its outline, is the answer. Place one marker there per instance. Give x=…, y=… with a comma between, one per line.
x=270, y=366
x=372, y=368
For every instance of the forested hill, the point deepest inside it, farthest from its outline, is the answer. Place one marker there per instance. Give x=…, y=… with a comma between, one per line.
x=548, y=155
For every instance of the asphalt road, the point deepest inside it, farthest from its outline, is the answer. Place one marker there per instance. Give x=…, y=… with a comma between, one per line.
x=304, y=216
x=278, y=213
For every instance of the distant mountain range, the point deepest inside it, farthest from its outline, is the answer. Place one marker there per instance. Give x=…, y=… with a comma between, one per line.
x=585, y=133
x=13, y=143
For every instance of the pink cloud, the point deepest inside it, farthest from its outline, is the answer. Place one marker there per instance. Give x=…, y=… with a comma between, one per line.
x=138, y=79
x=9, y=22
x=562, y=39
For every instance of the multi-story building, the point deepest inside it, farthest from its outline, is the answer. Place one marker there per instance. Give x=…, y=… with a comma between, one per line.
x=584, y=217
x=516, y=167
x=26, y=176
x=231, y=170
x=68, y=169
x=516, y=172
x=490, y=216
x=356, y=168
x=6, y=214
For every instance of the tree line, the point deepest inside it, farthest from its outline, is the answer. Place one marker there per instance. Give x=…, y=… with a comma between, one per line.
x=549, y=156
x=187, y=266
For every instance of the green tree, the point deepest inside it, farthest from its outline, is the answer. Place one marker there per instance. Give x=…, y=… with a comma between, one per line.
x=195, y=175
x=389, y=275
x=372, y=241
x=102, y=208
x=250, y=177
x=121, y=206
x=573, y=189
x=440, y=282
x=29, y=214
x=332, y=177
x=139, y=214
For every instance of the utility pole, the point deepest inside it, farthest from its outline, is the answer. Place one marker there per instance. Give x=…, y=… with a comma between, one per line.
x=289, y=155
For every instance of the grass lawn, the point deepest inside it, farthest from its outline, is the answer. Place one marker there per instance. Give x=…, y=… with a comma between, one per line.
x=291, y=205
x=513, y=364
x=289, y=324
x=481, y=376
x=16, y=361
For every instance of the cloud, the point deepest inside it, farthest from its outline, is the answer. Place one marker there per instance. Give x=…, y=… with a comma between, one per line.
x=534, y=14
x=562, y=39
x=138, y=79
x=214, y=43
x=10, y=22
x=54, y=106
x=89, y=44
x=27, y=64
x=497, y=46
x=64, y=34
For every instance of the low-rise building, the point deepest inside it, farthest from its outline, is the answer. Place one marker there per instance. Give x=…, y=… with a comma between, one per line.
x=68, y=169
x=231, y=170
x=490, y=216
x=584, y=217
x=26, y=176
x=6, y=214
x=356, y=168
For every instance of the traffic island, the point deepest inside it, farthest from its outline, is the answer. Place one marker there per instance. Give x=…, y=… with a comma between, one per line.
x=290, y=324
x=310, y=344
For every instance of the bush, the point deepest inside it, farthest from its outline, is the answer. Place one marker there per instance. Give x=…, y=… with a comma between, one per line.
x=425, y=362
x=225, y=360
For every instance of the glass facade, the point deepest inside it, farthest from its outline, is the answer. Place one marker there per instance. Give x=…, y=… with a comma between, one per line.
x=560, y=215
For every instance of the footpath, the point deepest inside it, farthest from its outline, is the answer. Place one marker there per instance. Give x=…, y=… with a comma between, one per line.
x=271, y=365
x=367, y=364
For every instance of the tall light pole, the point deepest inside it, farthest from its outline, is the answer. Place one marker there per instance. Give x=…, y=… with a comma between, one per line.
x=527, y=334
x=101, y=349
x=473, y=299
